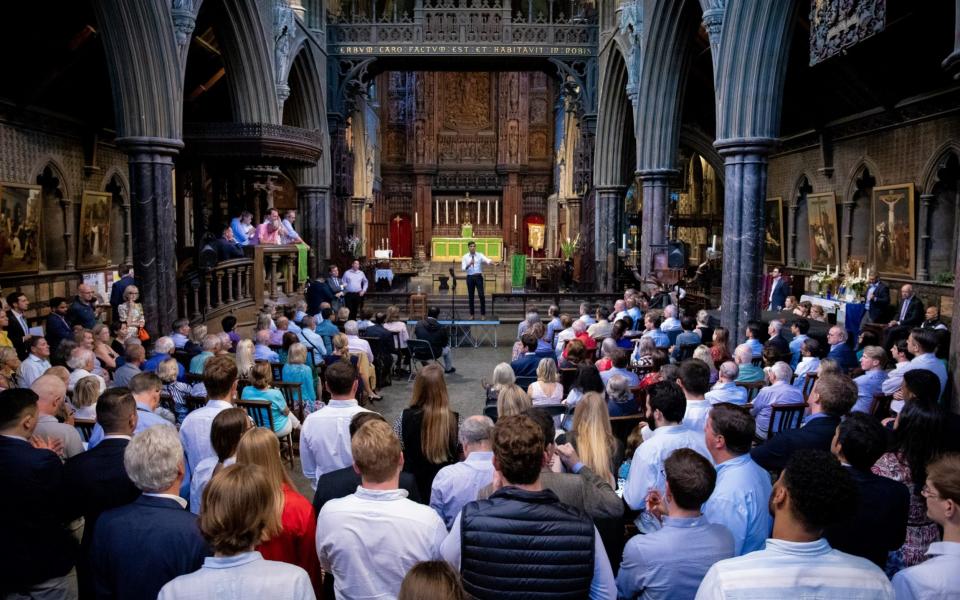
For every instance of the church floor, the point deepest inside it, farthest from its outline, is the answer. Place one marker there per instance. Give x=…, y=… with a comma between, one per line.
x=466, y=395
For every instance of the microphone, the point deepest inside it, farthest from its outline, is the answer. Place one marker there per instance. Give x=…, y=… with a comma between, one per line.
x=452, y=274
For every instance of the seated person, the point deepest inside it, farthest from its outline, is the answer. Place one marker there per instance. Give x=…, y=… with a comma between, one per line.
x=621, y=363
x=261, y=378
x=780, y=392
x=726, y=389
x=749, y=372
x=526, y=365
x=620, y=399
x=689, y=337
x=432, y=331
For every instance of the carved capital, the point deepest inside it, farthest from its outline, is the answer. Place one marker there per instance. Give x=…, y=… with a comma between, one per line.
x=183, y=23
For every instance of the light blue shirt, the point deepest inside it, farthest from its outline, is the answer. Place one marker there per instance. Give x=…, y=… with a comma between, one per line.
x=303, y=375
x=602, y=587
x=630, y=376
x=755, y=347
x=277, y=403
x=552, y=328
x=239, y=233
x=457, y=484
x=894, y=378
x=795, y=345
x=195, y=432
x=261, y=352
x=646, y=468
x=670, y=324
x=808, y=364
x=739, y=503
x=145, y=418
x=313, y=341
x=354, y=281
x=198, y=361
x=936, y=577
x=179, y=340
x=750, y=373
x=930, y=362
x=661, y=339
x=796, y=570
x=868, y=384
x=244, y=576
x=778, y=393
x=671, y=562
x=727, y=392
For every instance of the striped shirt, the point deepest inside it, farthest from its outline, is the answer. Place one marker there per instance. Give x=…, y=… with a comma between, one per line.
x=796, y=570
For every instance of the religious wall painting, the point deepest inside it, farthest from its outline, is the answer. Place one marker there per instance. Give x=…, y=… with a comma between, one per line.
x=773, y=231
x=538, y=145
x=94, y=239
x=538, y=111
x=824, y=240
x=892, y=230
x=466, y=101
x=20, y=224
x=837, y=25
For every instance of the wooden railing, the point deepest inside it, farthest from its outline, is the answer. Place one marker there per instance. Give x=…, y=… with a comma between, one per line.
x=227, y=287
x=278, y=273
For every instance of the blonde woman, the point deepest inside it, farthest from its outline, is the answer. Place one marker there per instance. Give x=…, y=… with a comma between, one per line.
x=195, y=344
x=85, y=396
x=167, y=371
x=502, y=377
x=9, y=365
x=512, y=400
x=341, y=348
x=702, y=352
x=260, y=388
x=546, y=389
x=396, y=325
x=244, y=358
x=296, y=371
x=102, y=346
x=295, y=543
x=593, y=439
x=131, y=311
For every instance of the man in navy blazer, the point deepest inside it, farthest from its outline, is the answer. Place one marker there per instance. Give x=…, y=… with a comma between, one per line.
x=832, y=397
x=57, y=328
x=526, y=365
x=840, y=351
x=39, y=550
x=96, y=478
x=878, y=299
x=139, y=547
x=779, y=290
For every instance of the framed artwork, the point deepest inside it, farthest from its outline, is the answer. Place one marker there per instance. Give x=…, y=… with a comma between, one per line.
x=822, y=221
x=94, y=239
x=773, y=231
x=20, y=228
x=892, y=230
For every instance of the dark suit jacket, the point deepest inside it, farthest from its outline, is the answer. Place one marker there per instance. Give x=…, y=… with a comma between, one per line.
x=432, y=331
x=57, y=330
x=780, y=343
x=526, y=365
x=780, y=293
x=845, y=357
x=343, y=482
x=139, y=547
x=317, y=293
x=914, y=316
x=880, y=523
x=36, y=543
x=817, y=434
x=227, y=250
x=880, y=303
x=15, y=332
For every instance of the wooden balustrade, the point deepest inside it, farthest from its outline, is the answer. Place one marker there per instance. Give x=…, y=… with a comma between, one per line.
x=278, y=273
x=205, y=295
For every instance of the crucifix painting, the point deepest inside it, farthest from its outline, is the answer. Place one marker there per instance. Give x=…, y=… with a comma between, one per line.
x=892, y=230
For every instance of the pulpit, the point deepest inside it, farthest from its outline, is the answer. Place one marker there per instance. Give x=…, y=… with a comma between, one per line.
x=417, y=309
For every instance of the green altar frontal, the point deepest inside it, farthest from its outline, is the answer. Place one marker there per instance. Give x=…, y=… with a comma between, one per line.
x=448, y=249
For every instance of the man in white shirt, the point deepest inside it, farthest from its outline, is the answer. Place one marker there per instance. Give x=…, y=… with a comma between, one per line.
x=586, y=314
x=901, y=356
x=325, y=434
x=670, y=320
x=923, y=344
x=52, y=393
x=809, y=362
x=180, y=334
x=457, y=484
x=694, y=380
x=370, y=539
x=355, y=285
x=472, y=264
x=220, y=378
x=726, y=389
x=36, y=363
x=939, y=575
x=354, y=343
x=666, y=406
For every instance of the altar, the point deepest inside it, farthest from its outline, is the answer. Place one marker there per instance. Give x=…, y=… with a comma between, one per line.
x=849, y=314
x=446, y=249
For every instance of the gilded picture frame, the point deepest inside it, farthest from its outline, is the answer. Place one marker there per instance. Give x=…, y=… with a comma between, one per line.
x=893, y=231
x=93, y=241
x=20, y=227
x=773, y=231
x=823, y=231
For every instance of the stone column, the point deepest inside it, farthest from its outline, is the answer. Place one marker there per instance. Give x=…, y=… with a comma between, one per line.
x=952, y=62
x=128, y=231
x=423, y=203
x=792, y=208
x=551, y=240
x=923, y=255
x=713, y=23
x=154, y=227
x=745, y=165
x=607, y=219
x=653, y=227
x=955, y=332
x=70, y=249
x=847, y=241
x=314, y=205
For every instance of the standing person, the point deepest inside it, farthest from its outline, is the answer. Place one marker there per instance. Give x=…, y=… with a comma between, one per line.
x=225, y=433
x=57, y=328
x=268, y=232
x=18, y=330
x=220, y=380
x=83, y=310
x=472, y=264
x=355, y=285
x=335, y=286
x=428, y=429
x=779, y=290
x=878, y=299
x=812, y=493
x=294, y=541
x=131, y=311
x=51, y=395
x=671, y=562
x=240, y=508
x=289, y=235
x=118, y=287
x=376, y=521
x=241, y=226
x=39, y=550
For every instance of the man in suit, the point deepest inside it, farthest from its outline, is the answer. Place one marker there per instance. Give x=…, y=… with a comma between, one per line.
x=878, y=299
x=318, y=292
x=775, y=331
x=18, y=330
x=58, y=328
x=39, y=550
x=880, y=524
x=120, y=286
x=832, y=397
x=839, y=349
x=336, y=287
x=97, y=478
x=909, y=314
x=779, y=290
x=526, y=365
x=226, y=246
x=383, y=352
x=139, y=547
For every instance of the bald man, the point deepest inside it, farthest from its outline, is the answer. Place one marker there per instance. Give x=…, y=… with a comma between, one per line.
x=52, y=392
x=83, y=310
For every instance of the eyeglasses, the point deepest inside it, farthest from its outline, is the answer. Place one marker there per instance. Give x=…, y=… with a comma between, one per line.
x=927, y=492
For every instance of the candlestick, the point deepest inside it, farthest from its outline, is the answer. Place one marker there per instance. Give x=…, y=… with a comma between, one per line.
x=514, y=221
x=446, y=210
x=416, y=220
x=623, y=244
x=496, y=213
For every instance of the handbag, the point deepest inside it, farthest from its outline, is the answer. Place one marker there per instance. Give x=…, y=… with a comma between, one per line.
x=142, y=334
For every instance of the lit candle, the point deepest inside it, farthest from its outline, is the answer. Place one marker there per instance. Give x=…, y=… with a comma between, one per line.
x=624, y=243
x=496, y=213
x=514, y=221
x=416, y=220
x=714, y=242
x=860, y=273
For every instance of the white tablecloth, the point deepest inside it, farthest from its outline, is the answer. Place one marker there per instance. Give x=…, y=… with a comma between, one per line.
x=387, y=254
x=829, y=306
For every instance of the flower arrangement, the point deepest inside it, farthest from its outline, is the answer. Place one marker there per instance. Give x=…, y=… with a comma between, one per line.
x=569, y=248
x=824, y=280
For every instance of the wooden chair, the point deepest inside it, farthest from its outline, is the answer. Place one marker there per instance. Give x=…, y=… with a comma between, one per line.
x=524, y=381
x=261, y=411
x=640, y=397
x=84, y=428
x=277, y=370
x=880, y=407
x=784, y=417
x=193, y=378
x=809, y=380
x=753, y=388
x=757, y=361
x=183, y=357
x=194, y=402
x=293, y=394
x=622, y=426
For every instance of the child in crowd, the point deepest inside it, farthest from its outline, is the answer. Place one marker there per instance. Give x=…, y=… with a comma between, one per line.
x=296, y=371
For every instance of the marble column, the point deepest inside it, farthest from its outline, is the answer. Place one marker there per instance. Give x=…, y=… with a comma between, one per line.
x=745, y=166
x=792, y=209
x=154, y=228
x=952, y=62
x=847, y=242
x=313, y=204
x=955, y=330
x=923, y=256
x=653, y=227
x=608, y=217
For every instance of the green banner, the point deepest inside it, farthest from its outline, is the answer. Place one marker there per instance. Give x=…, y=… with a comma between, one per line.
x=303, y=269
x=519, y=266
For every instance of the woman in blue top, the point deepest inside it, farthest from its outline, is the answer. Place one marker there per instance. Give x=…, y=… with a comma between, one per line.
x=261, y=376
x=297, y=371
